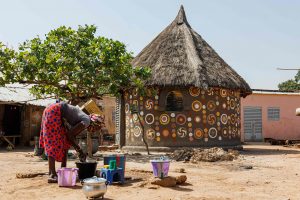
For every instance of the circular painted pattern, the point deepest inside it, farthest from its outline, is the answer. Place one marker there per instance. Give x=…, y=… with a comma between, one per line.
x=135, y=117
x=232, y=119
x=135, y=102
x=127, y=121
x=211, y=106
x=182, y=132
x=127, y=133
x=189, y=119
x=165, y=132
x=211, y=119
x=158, y=139
x=150, y=134
x=224, y=119
x=198, y=133
x=223, y=93
x=142, y=113
x=196, y=106
x=149, y=118
x=232, y=104
x=210, y=91
x=181, y=119
x=172, y=114
x=194, y=91
x=149, y=104
x=224, y=105
x=225, y=132
x=212, y=133
x=126, y=108
x=197, y=119
x=135, y=92
x=137, y=131
x=164, y=119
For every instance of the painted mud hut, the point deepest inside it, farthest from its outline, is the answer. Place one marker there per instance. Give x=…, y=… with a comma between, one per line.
x=197, y=100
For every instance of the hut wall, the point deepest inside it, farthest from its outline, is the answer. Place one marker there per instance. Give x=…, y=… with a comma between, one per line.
x=31, y=122
x=109, y=107
x=209, y=118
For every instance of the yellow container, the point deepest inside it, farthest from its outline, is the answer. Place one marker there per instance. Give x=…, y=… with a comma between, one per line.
x=91, y=107
x=106, y=166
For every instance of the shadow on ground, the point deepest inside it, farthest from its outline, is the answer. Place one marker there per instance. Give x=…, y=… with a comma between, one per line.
x=267, y=151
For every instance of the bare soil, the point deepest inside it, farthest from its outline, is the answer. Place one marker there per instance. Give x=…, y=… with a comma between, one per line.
x=260, y=172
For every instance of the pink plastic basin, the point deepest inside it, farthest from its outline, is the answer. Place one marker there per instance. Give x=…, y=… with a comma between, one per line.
x=67, y=176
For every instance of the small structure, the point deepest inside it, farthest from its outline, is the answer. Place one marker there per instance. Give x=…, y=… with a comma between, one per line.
x=270, y=115
x=196, y=101
x=20, y=113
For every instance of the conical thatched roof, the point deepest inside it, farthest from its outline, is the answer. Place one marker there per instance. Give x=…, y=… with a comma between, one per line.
x=179, y=56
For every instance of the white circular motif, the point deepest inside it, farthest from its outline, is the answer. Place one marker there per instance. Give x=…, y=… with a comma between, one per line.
x=156, y=97
x=182, y=132
x=172, y=114
x=220, y=138
x=189, y=119
x=130, y=97
x=191, y=134
x=197, y=119
x=217, y=103
x=137, y=131
x=142, y=113
x=213, y=132
x=149, y=118
x=224, y=119
x=135, y=117
x=158, y=134
x=204, y=107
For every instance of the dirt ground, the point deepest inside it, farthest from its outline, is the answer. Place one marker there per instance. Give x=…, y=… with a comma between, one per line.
x=275, y=175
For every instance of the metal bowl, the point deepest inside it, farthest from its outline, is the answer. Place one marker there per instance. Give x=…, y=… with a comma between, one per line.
x=94, y=187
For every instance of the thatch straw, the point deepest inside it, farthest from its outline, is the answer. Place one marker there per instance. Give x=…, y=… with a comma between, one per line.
x=179, y=56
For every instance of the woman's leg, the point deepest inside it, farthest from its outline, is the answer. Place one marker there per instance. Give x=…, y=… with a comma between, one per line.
x=64, y=162
x=51, y=162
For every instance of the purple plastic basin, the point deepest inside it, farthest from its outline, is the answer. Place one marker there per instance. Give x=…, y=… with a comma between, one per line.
x=67, y=177
x=160, y=168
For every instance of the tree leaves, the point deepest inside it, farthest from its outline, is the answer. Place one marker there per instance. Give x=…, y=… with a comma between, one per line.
x=72, y=64
x=291, y=85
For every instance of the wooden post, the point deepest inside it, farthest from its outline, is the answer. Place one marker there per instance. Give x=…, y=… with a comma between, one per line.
x=89, y=144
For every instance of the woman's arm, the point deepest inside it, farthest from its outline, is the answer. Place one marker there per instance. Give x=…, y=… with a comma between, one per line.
x=71, y=135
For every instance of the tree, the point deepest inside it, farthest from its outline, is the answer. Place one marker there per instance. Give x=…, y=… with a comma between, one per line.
x=71, y=64
x=291, y=85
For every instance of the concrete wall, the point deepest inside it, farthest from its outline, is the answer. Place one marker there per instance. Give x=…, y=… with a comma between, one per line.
x=288, y=127
x=209, y=118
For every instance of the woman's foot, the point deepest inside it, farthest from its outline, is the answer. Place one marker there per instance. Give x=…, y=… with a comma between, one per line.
x=52, y=179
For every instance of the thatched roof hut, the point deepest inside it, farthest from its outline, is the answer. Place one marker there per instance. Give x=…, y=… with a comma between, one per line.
x=179, y=56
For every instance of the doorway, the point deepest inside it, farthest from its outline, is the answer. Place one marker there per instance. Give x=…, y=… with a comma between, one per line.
x=253, y=124
x=12, y=120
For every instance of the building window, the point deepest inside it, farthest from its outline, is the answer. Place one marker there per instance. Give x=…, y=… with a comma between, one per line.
x=273, y=114
x=174, y=101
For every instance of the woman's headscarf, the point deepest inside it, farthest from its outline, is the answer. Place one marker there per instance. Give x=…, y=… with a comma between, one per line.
x=97, y=122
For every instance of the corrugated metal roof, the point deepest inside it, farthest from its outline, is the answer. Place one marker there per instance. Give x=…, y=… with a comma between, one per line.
x=18, y=93
x=275, y=92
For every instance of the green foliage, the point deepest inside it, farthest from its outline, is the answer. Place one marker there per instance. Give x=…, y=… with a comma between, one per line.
x=291, y=85
x=72, y=64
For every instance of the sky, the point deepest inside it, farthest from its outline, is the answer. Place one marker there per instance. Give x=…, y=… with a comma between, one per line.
x=253, y=36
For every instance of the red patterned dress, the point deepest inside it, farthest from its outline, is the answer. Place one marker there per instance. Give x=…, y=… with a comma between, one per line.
x=53, y=136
